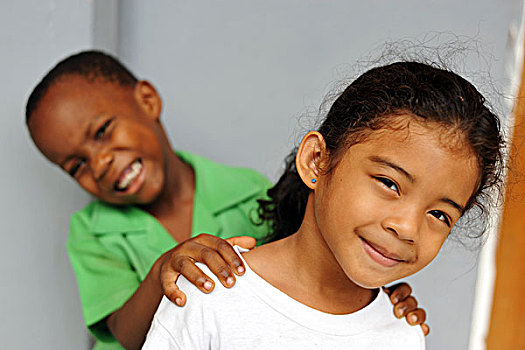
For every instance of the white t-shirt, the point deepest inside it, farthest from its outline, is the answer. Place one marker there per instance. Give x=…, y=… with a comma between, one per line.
x=255, y=315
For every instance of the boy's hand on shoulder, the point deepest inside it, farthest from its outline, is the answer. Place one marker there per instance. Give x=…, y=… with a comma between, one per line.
x=405, y=305
x=214, y=252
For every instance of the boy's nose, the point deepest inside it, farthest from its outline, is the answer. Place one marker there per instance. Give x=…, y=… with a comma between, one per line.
x=405, y=225
x=100, y=163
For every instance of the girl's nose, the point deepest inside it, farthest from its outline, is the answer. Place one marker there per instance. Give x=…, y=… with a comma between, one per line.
x=100, y=163
x=405, y=225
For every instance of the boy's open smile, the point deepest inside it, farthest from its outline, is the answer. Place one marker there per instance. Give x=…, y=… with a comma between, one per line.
x=131, y=178
x=106, y=136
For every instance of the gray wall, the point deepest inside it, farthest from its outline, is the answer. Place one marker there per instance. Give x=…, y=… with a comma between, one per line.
x=39, y=301
x=235, y=76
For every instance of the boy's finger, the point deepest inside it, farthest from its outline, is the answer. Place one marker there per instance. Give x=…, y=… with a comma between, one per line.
x=169, y=287
x=186, y=266
x=402, y=308
x=400, y=292
x=425, y=328
x=217, y=264
x=245, y=242
x=416, y=317
x=230, y=256
x=202, y=242
x=173, y=293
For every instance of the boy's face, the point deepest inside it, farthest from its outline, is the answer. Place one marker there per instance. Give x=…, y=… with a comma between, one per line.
x=390, y=203
x=106, y=136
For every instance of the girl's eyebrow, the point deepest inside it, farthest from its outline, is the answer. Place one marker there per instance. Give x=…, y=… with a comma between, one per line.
x=399, y=169
x=454, y=204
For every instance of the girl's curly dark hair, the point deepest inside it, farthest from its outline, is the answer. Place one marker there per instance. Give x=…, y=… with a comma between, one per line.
x=371, y=102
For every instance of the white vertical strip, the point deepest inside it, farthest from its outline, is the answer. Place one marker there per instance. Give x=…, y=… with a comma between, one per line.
x=484, y=291
x=487, y=259
x=106, y=25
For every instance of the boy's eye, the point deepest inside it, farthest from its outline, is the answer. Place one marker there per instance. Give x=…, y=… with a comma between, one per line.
x=76, y=167
x=102, y=130
x=438, y=214
x=388, y=183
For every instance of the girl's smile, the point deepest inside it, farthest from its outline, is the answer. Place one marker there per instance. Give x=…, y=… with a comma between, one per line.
x=389, y=204
x=380, y=255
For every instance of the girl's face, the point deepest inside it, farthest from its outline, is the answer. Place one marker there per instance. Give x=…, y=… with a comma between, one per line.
x=390, y=203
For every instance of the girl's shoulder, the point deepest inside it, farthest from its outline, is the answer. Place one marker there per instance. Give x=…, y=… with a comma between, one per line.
x=203, y=312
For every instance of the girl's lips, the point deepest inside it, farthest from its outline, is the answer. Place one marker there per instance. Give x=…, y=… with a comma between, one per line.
x=380, y=255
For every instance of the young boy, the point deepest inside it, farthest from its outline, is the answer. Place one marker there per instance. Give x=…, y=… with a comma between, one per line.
x=93, y=118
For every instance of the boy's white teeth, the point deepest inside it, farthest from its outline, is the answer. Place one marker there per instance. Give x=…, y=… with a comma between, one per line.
x=136, y=167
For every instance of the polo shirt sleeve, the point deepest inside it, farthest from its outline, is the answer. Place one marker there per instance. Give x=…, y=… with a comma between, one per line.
x=105, y=277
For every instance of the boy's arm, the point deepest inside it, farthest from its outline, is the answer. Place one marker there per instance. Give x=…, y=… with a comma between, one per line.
x=130, y=324
x=116, y=305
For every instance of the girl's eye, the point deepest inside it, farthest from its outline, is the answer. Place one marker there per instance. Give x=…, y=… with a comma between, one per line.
x=76, y=167
x=438, y=214
x=102, y=130
x=388, y=183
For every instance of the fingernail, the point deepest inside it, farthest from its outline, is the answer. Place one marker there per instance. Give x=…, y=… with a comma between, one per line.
x=412, y=318
x=207, y=285
x=229, y=281
x=240, y=269
x=400, y=311
x=178, y=301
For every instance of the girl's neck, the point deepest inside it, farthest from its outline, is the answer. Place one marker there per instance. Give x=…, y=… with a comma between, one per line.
x=303, y=266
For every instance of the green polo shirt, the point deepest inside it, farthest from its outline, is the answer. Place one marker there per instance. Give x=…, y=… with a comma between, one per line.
x=112, y=248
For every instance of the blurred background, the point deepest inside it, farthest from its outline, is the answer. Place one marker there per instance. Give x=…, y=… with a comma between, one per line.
x=238, y=79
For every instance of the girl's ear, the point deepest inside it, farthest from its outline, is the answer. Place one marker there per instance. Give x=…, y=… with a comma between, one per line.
x=148, y=99
x=309, y=157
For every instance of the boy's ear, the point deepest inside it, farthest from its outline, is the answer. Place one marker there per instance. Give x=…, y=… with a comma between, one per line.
x=148, y=98
x=309, y=157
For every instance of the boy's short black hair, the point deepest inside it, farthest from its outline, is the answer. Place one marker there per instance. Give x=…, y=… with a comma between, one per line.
x=91, y=65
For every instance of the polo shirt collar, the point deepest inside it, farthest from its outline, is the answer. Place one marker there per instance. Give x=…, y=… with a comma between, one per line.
x=217, y=188
x=108, y=218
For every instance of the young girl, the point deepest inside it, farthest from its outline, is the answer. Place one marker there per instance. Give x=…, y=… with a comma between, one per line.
x=369, y=198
